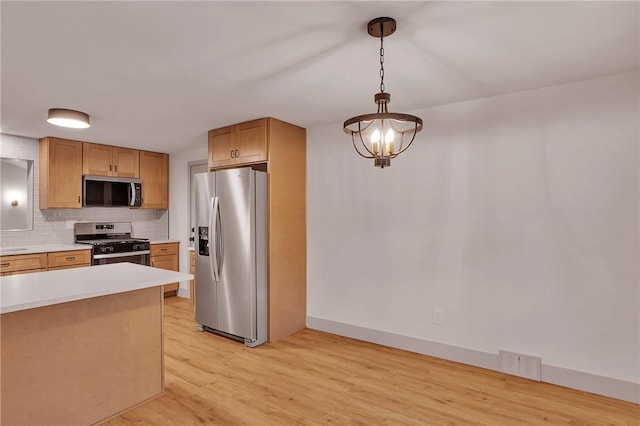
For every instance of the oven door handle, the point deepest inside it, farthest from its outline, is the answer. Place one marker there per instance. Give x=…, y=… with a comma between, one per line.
x=127, y=254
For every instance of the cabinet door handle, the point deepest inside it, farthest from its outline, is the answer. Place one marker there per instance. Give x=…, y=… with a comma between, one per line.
x=231, y=153
x=70, y=258
x=116, y=167
x=237, y=153
x=78, y=198
x=109, y=167
x=4, y=265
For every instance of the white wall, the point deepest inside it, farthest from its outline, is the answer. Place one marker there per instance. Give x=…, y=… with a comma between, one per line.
x=516, y=215
x=179, y=204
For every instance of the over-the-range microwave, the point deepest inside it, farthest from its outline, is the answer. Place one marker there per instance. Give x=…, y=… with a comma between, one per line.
x=108, y=191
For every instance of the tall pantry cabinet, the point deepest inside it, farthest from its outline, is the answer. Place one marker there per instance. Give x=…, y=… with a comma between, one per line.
x=279, y=148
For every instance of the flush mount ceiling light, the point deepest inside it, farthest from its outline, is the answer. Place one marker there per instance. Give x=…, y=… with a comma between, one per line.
x=68, y=118
x=383, y=135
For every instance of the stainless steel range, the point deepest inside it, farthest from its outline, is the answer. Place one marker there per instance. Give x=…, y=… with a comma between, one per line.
x=112, y=242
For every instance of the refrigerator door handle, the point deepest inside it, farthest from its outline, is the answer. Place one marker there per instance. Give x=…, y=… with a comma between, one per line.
x=213, y=245
x=219, y=241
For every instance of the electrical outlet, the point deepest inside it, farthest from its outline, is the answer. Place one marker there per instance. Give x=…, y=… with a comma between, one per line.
x=438, y=317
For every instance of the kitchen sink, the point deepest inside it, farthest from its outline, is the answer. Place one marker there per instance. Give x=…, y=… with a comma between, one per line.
x=11, y=250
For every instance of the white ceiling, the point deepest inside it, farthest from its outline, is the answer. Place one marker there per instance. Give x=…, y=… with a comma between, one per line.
x=158, y=75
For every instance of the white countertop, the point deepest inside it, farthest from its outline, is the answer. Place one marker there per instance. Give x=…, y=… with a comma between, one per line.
x=163, y=241
x=10, y=251
x=26, y=291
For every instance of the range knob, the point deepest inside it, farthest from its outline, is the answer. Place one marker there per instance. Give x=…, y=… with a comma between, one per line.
x=106, y=249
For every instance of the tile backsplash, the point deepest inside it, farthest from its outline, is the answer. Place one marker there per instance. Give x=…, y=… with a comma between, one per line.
x=56, y=226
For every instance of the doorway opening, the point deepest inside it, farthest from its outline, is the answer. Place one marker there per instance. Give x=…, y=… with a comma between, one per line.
x=195, y=167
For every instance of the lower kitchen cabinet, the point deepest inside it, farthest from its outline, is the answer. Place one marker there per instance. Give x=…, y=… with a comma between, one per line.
x=39, y=262
x=23, y=263
x=68, y=259
x=165, y=256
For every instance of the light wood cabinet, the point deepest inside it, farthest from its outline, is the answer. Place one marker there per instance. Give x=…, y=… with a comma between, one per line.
x=240, y=144
x=23, y=263
x=83, y=361
x=126, y=162
x=105, y=160
x=165, y=256
x=154, y=173
x=38, y=262
x=60, y=175
x=63, y=162
x=285, y=162
x=68, y=259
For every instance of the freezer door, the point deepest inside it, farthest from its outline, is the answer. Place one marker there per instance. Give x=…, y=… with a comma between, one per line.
x=236, y=290
x=206, y=302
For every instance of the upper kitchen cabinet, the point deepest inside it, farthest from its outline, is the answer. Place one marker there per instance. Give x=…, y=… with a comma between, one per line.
x=60, y=174
x=105, y=160
x=154, y=173
x=126, y=162
x=238, y=145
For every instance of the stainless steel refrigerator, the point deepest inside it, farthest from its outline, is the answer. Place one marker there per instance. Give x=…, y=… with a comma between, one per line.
x=231, y=254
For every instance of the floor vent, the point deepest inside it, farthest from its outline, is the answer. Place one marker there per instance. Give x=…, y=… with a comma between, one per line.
x=521, y=365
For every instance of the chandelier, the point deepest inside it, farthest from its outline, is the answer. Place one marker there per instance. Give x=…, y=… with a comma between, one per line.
x=382, y=135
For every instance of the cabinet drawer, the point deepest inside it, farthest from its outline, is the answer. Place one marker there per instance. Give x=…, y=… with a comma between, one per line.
x=61, y=259
x=164, y=249
x=23, y=262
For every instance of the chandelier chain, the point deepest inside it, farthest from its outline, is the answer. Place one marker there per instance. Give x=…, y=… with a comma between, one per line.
x=381, y=64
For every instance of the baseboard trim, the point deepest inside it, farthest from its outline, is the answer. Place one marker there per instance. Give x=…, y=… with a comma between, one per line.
x=184, y=292
x=601, y=385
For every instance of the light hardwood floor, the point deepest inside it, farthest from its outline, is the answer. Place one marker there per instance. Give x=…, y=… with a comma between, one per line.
x=314, y=378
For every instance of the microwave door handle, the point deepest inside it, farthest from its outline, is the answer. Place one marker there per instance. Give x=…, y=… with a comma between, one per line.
x=213, y=252
x=132, y=195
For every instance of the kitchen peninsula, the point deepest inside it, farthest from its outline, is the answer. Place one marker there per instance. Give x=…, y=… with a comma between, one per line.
x=81, y=345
